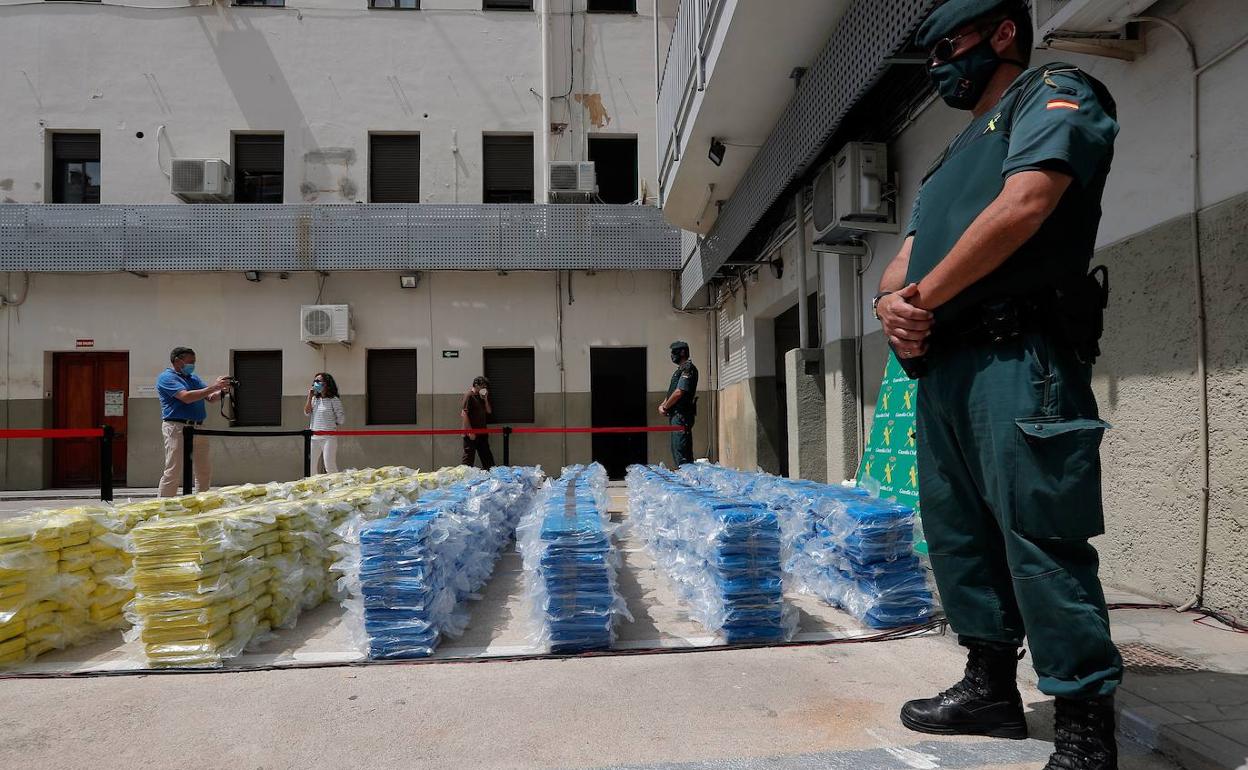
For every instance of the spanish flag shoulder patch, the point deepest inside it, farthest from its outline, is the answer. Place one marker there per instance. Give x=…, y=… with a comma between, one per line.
x=1062, y=104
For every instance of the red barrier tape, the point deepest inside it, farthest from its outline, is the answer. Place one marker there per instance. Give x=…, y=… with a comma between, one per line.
x=52, y=433
x=491, y=431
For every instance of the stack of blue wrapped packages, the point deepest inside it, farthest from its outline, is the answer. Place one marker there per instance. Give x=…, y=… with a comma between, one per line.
x=410, y=573
x=721, y=554
x=841, y=545
x=570, y=563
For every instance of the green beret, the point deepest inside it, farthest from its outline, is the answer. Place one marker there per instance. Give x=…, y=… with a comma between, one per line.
x=678, y=344
x=954, y=14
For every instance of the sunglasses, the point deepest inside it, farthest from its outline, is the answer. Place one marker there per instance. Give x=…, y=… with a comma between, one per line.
x=946, y=48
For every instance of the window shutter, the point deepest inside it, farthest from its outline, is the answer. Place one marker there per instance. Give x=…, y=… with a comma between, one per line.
x=394, y=169
x=391, y=387
x=259, y=153
x=76, y=147
x=508, y=5
x=512, y=384
x=508, y=165
x=258, y=398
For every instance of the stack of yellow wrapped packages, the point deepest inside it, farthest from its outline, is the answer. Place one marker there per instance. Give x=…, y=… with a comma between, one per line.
x=209, y=584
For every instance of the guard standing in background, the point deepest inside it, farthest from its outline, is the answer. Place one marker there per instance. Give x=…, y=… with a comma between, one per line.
x=681, y=404
x=990, y=304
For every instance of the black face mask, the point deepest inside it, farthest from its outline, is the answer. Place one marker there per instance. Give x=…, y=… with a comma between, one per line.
x=962, y=81
x=677, y=355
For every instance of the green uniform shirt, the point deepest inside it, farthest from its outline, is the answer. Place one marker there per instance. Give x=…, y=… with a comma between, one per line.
x=1053, y=117
x=685, y=379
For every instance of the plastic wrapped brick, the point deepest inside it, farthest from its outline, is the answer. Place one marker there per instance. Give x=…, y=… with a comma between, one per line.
x=570, y=563
x=721, y=554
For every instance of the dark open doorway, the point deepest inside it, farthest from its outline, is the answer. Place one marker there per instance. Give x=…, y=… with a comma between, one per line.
x=617, y=390
x=787, y=337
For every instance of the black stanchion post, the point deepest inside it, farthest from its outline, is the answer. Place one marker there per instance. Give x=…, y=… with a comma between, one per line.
x=307, y=453
x=106, y=464
x=506, y=445
x=188, y=459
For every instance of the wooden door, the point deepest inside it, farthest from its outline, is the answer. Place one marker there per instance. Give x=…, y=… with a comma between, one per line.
x=89, y=390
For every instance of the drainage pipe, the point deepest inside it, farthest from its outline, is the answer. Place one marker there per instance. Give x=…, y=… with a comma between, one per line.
x=803, y=311
x=544, y=130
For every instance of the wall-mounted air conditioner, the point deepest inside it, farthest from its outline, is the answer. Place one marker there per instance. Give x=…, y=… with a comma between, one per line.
x=574, y=178
x=196, y=180
x=1084, y=16
x=325, y=324
x=853, y=195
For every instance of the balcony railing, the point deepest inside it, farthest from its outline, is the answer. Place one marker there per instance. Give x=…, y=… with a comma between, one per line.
x=684, y=74
x=362, y=236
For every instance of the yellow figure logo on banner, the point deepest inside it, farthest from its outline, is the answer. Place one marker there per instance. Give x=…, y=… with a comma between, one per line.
x=888, y=435
x=888, y=473
x=884, y=400
x=908, y=398
x=867, y=468
x=910, y=437
x=914, y=477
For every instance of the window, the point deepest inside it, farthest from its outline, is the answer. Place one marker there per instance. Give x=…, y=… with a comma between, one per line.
x=400, y=5
x=611, y=6
x=512, y=383
x=615, y=167
x=392, y=387
x=258, y=163
x=258, y=396
x=508, y=5
x=394, y=168
x=508, y=172
x=272, y=3
x=75, y=168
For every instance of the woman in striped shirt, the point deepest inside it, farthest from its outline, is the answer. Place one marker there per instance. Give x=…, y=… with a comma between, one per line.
x=325, y=408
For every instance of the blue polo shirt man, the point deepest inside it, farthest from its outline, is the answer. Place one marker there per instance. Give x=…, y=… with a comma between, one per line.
x=182, y=395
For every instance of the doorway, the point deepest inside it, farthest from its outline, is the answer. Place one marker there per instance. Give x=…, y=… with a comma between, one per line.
x=788, y=337
x=617, y=392
x=89, y=390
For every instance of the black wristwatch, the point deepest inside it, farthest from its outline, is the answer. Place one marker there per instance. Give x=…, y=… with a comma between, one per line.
x=875, y=303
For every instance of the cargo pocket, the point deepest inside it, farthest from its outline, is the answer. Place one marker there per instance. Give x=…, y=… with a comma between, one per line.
x=1057, y=478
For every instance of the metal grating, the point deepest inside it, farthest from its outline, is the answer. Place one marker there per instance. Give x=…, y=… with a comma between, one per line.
x=851, y=62
x=368, y=236
x=1147, y=659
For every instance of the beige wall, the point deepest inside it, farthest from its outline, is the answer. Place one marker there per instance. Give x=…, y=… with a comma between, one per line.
x=217, y=313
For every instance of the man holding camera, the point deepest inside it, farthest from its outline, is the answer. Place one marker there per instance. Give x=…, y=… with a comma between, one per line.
x=182, y=396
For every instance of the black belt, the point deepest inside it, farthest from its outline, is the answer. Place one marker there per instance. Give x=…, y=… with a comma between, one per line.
x=995, y=321
x=195, y=423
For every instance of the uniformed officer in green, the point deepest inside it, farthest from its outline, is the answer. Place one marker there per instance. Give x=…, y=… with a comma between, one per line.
x=681, y=404
x=990, y=303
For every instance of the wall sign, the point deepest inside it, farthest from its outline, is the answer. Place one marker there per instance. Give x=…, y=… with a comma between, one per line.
x=450, y=354
x=114, y=403
x=84, y=343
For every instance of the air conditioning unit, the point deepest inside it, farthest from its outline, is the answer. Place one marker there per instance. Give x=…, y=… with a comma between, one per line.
x=325, y=324
x=1065, y=19
x=851, y=195
x=573, y=178
x=195, y=180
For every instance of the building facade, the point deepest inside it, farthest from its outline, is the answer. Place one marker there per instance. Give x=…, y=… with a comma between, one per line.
x=862, y=81
x=338, y=119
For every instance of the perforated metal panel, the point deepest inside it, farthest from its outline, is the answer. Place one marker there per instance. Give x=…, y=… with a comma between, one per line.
x=207, y=237
x=851, y=62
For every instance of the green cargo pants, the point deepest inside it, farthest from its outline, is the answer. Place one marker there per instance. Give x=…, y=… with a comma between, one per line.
x=1010, y=487
x=682, y=441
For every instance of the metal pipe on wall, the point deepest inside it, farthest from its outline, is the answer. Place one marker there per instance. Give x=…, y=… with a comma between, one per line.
x=803, y=310
x=544, y=129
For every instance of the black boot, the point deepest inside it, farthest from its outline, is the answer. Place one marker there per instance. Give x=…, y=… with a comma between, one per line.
x=1084, y=735
x=985, y=702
